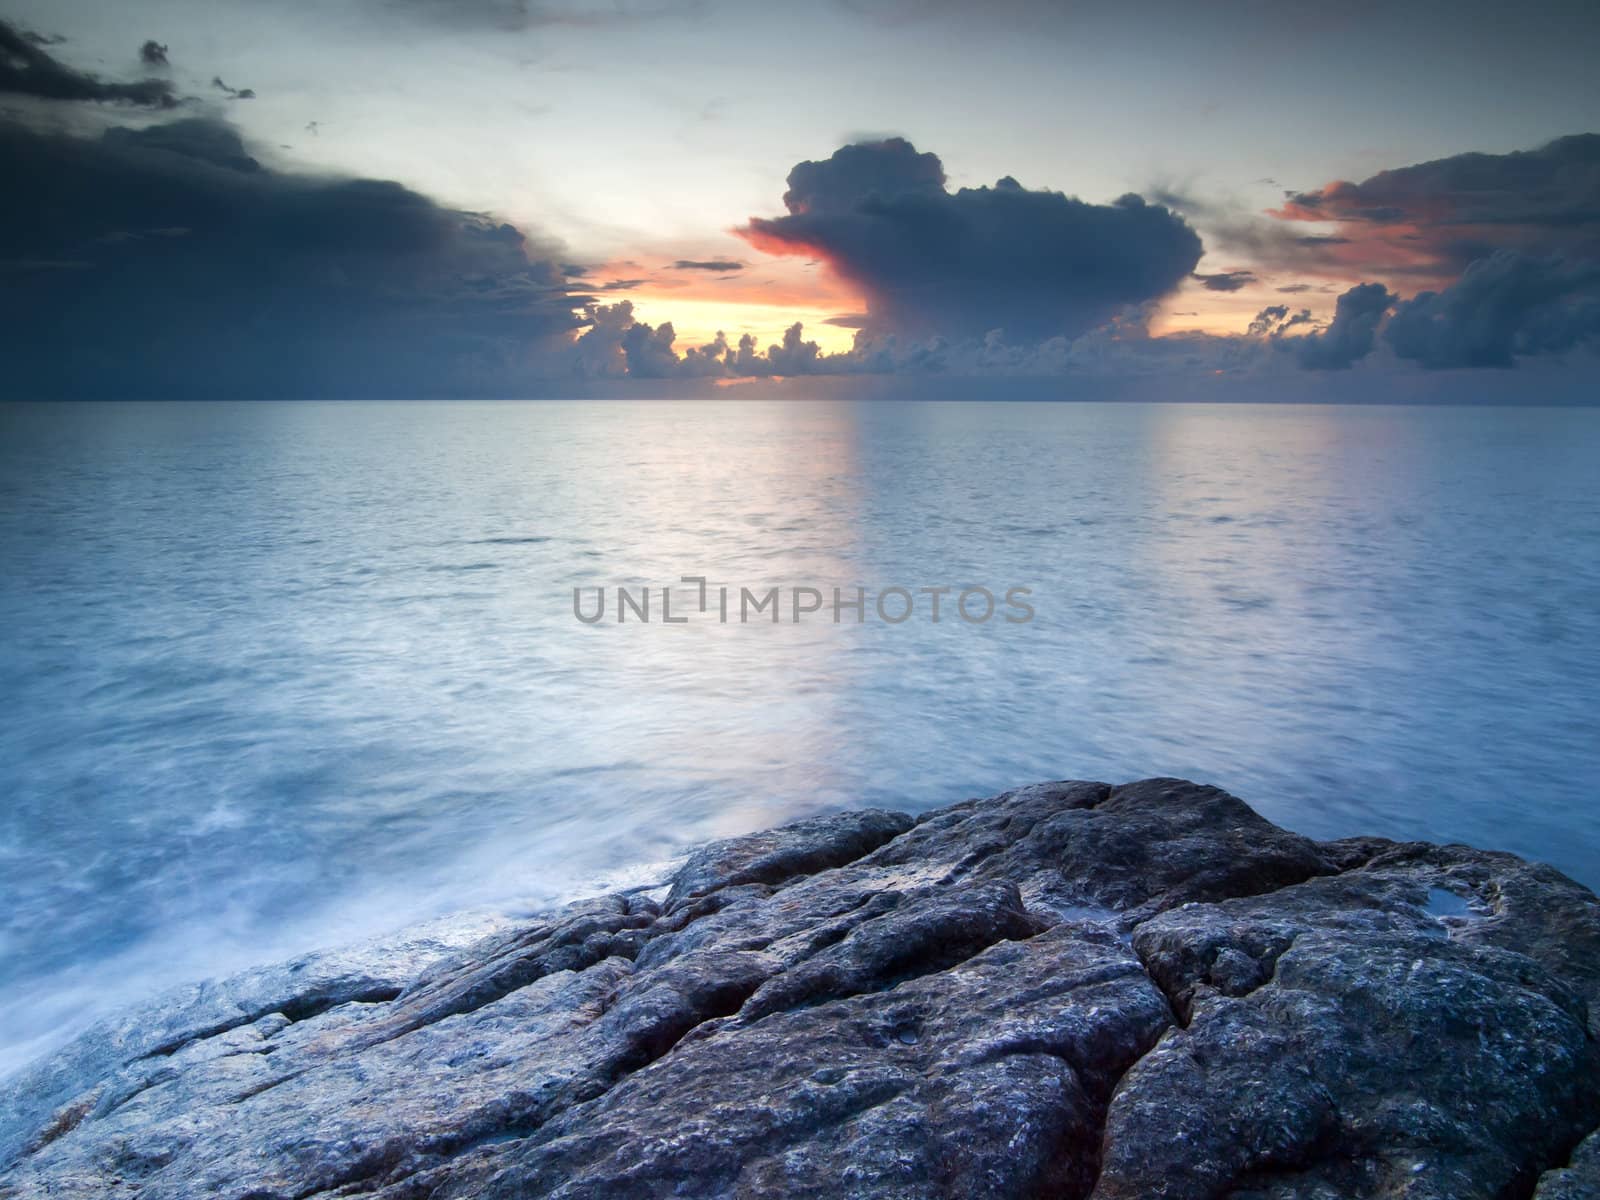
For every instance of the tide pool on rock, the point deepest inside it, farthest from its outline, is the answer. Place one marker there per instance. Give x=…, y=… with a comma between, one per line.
x=1072, y=990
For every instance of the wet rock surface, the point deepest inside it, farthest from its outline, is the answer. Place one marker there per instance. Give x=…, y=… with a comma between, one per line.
x=1069, y=990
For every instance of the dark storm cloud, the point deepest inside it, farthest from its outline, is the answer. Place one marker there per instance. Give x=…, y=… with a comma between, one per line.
x=1443, y=215
x=27, y=70
x=1506, y=306
x=197, y=271
x=1556, y=186
x=863, y=172
x=715, y=264
x=929, y=261
x=1226, y=281
x=1512, y=239
x=1423, y=223
x=1350, y=336
x=1503, y=251
x=200, y=140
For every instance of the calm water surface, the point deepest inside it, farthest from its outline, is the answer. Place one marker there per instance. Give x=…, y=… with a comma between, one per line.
x=279, y=675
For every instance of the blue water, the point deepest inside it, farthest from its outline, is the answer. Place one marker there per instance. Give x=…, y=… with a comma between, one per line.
x=279, y=675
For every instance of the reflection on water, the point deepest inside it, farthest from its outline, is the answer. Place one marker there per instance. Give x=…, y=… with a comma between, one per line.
x=277, y=675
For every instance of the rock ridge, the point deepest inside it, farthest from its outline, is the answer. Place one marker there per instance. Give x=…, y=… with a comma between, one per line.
x=1068, y=990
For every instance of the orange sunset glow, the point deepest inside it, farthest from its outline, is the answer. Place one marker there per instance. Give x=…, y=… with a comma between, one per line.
x=763, y=297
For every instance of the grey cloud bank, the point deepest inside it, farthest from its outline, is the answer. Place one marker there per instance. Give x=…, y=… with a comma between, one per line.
x=167, y=261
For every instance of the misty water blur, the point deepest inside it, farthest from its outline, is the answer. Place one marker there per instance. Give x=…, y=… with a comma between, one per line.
x=281, y=675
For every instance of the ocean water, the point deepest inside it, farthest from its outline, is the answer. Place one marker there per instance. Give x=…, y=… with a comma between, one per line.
x=280, y=675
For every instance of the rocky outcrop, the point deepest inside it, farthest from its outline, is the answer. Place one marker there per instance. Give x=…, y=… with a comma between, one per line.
x=1069, y=990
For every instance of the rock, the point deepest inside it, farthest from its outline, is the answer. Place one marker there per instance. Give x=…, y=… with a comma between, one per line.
x=1373, y=1050
x=803, y=848
x=1070, y=990
x=1579, y=1180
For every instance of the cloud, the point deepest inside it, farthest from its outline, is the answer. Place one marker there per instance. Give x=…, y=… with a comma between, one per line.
x=616, y=345
x=931, y=262
x=196, y=139
x=233, y=93
x=1226, y=281
x=1503, y=251
x=153, y=54
x=1269, y=320
x=514, y=16
x=1512, y=242
x=1433, y=219
x=1506, y=306
x=25, y=69
x=1275, y=321
x=1231, y=227
x=1350, y=336
x=716, y=264
x=1419, y=226
x=199, y=272
x=171, y=259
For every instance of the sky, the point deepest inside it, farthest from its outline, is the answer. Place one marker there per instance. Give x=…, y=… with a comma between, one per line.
x=506, y=197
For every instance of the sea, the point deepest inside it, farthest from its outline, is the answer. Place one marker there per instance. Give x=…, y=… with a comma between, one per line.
x=276, y=676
